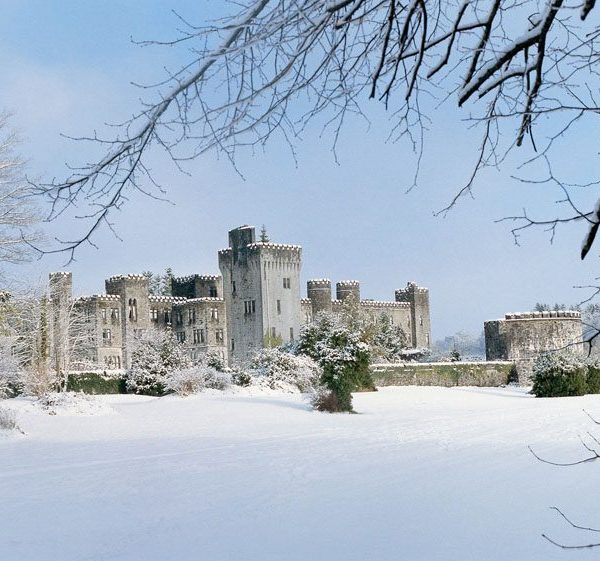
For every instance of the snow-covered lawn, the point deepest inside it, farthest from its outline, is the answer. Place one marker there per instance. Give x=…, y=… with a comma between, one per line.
x=420, y=474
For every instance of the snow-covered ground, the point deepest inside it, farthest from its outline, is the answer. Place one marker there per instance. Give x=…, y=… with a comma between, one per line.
x=419, y=474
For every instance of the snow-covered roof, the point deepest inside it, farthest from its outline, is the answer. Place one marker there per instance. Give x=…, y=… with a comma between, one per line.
x=199, y=277
x=208, y=299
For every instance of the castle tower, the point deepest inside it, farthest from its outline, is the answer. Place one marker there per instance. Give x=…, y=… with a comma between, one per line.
x=61, y=300
x=135, y=307
x=418, y=298
x=319, y=294
x=348, y=289
x=261, y=287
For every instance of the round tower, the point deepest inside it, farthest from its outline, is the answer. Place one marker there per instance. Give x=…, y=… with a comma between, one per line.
x=319, y=294
x=348, y=289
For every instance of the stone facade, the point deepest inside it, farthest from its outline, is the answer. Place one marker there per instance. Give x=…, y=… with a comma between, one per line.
x=520, y=337
x=256, y=302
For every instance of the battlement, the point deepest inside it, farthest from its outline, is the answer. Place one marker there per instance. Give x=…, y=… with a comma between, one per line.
x=384, y=304
x=119, y=278
x=156, y=298
x=319, y=283
x=100, y=298
x=350, y=283
x=190, y=278
x=183, y=301
x=411, y=288
x=552, y=314
x=271, y=245
x=60, y=274
x=305, y=301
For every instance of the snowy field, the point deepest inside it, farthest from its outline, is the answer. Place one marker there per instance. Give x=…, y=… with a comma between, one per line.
x=419, y=474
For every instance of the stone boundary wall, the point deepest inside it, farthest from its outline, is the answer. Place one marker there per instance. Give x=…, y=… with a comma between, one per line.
x=445, y=374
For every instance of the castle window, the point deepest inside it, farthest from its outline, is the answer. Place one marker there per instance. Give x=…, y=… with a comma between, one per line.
x=232, y=345
x=180, y=336
x=106, y=336
x=118, y=361
x=192, y=315
x=287, y=282
x=167, y=316
x=179, y=317
x=212, y=291
x=115, y=314
x=214, y=313
x=249, y=307
x=233, y=287
x=279, y=307
x=103, y=314
x=219, y=336
x=154, y=314
x=133, y=309
x=420, y=320
x=196, y=334
x=291, y=333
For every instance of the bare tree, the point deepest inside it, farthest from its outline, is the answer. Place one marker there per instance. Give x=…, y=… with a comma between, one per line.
x=276, y=65
x=18, y=214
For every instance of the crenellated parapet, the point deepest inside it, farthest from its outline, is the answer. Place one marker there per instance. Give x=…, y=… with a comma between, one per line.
x=551, y=314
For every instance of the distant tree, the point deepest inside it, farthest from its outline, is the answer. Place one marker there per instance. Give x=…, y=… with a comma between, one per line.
x=159, y=285
x=264, y=237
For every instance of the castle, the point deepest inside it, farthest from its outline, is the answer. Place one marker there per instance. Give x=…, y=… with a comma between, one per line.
x=256, y=302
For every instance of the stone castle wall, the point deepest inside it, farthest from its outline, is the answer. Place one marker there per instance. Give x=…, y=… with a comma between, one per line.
x=521, y=337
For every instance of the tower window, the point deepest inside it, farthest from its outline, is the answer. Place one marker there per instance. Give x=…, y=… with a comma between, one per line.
x=115, y=314
x=291, y=333
x=233, y=287
x=287, y=282
x=103, y=314
x=279, y=307
x=106, y=336
x=154, y=314
x=214, y=313
x=133, y=309
x=420, y=320
x=249, y=307
x=219, y=337
x=212, y=291
x=180, y=336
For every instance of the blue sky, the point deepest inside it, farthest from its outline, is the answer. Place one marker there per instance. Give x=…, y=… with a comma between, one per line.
x=67, y=67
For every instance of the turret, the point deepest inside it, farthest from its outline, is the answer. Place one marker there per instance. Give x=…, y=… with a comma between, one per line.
x=418, y=298
x=348, y=289
x=319, y=294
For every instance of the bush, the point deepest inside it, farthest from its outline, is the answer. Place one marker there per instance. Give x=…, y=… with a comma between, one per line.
x=280, y=369
x=327, y=401
x=8, y=420
x=241, y=378
x=593, y=377
x=559, y=375
x=196, y=378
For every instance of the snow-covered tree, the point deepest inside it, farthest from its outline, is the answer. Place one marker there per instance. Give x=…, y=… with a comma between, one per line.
x=342, y=355
x=153, y=356
x=388, y=342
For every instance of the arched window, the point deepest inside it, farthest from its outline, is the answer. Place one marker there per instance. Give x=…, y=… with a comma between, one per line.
x=133, y=309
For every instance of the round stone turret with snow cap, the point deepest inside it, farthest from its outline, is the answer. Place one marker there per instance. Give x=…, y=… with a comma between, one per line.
x=347, y=289
x=319, y=294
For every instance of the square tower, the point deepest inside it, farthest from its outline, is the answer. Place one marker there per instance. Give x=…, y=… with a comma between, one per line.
x=261, y=288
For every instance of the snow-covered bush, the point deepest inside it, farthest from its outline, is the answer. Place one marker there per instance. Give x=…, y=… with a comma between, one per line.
x=280, y=369
x=388, y=340
x=186, y=381
x=342, y=355
x=153, y=356
x=559, y=375
x=10, y=370
x=8, y=419
x=593, y=375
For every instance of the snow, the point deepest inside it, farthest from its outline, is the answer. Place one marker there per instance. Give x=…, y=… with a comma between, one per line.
x=420, y=473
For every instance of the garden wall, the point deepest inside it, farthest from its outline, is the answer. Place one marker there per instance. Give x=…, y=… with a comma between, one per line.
x=483, y=374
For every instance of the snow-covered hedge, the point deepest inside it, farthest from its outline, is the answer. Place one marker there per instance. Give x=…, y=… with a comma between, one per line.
x=280, y=370
x=559, y=375
x=186, y=381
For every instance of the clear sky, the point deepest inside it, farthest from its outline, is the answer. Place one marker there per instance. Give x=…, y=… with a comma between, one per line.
x=67, y=67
